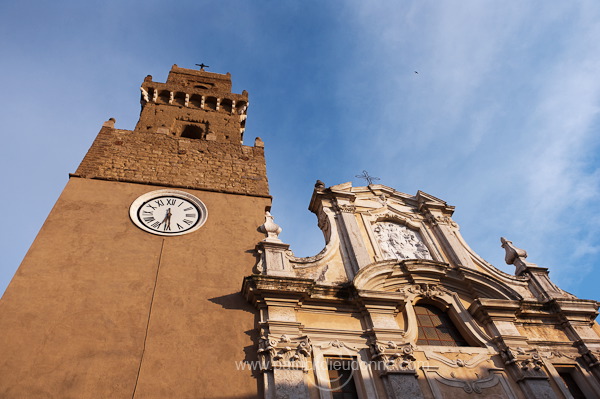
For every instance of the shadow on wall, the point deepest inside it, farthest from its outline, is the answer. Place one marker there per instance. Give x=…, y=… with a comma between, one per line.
x=236, y=301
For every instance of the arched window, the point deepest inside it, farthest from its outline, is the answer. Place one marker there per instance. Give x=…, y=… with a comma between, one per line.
x=436, y=328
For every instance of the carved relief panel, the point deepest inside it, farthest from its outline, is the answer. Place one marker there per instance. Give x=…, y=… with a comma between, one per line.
x=400, y=242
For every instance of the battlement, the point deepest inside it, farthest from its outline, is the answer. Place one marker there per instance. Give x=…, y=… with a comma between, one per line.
x=193, y=104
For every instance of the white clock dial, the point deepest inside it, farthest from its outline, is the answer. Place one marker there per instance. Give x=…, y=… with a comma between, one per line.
x=168, y=212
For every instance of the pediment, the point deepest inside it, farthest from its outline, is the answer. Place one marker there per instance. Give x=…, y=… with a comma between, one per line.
x=393, y=276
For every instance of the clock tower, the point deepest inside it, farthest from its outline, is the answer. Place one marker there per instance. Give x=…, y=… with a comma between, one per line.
x=132, y=287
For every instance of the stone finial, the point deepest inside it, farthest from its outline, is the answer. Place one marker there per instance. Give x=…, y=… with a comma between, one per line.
x=259, y=143
x=109, y=123
x=270, y=228
x=513, y=254
x=319, y=184
x=544, y=289
x=516, y=256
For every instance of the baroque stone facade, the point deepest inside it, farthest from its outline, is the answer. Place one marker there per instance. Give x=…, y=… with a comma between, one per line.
x=365, y=298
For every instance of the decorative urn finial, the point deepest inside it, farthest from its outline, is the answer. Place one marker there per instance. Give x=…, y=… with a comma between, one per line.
x=512, y=253
x=270, y=228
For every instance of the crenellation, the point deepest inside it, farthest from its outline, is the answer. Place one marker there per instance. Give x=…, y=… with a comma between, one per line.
x=167, y=94
x=193, y=104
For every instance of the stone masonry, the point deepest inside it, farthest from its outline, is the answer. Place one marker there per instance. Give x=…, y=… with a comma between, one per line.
x=189, y=135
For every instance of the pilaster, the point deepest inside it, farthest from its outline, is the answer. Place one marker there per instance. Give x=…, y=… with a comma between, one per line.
x=284, y=364
x=351, y=236
x=438, y=215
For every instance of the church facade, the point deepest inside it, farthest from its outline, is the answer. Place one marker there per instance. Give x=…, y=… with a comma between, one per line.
x=160, y=273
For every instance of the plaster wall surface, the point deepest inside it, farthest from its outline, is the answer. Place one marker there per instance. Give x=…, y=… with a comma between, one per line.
x=102, y=309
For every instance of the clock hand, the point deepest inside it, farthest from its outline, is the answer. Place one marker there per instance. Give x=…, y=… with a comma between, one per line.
x=168, y=217
x=167, y=220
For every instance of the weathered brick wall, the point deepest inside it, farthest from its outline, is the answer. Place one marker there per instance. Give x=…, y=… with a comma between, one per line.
x=155, y=158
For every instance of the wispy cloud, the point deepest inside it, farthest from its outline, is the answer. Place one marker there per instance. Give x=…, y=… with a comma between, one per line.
x=502, y=114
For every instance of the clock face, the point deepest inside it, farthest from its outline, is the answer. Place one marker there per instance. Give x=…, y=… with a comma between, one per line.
x=168, y=212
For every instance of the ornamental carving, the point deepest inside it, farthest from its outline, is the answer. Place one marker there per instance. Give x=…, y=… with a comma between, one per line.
x=555, y=353
x=426, y=290
x=437, y=220
x=495, y=377
x=399, y=242
x=346, y=208
x=323, y=223
x=340, y=345
x=393, y=357
x=457, y=363
x=591, y=358
x=284, y=352
x=524, y=364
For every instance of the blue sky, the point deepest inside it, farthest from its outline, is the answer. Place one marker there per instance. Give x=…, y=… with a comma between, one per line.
x=501, y=120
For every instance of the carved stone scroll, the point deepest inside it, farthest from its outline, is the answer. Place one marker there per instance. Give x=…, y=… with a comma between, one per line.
x=477, y=386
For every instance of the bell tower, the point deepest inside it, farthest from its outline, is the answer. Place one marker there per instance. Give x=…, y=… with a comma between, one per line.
x=202, y=106
x=131, y=288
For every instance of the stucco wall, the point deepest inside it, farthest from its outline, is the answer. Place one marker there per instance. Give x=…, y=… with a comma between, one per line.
x=95, y=297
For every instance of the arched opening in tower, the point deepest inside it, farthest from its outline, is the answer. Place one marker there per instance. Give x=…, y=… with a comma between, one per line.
x=193, y=132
